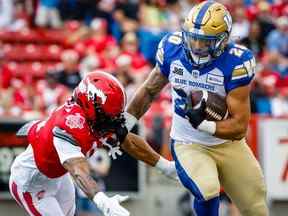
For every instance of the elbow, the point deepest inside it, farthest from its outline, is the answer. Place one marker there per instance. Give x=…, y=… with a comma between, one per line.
x=240, y=133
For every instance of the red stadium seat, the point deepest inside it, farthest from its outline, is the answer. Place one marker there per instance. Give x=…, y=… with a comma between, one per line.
x=27, y=69
x=32, y=36
x=32, y=52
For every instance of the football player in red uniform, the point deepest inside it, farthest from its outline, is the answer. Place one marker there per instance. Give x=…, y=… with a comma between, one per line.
x=40, y=176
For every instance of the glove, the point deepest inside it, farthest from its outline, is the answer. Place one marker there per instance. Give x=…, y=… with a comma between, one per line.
x=167, y=168
x=111, y=142
x=195, y=116
x=110, y=206
x=121, y=132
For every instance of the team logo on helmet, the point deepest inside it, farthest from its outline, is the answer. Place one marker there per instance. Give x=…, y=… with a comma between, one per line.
x=93, y=92
x=75, y=121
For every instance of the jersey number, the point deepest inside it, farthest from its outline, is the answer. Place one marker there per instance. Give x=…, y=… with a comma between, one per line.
x=238, y=50
x=175, y=39
x=179, y=106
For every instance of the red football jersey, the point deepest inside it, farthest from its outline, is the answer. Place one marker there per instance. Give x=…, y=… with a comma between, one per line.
x=69, y=119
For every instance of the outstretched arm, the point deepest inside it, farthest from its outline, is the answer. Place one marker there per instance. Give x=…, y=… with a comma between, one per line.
x=139, y=149
x=75, y=163
x=80, y=171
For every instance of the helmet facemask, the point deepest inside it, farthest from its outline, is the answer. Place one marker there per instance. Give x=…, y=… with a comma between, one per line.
x=202, y=49
x=103, y=123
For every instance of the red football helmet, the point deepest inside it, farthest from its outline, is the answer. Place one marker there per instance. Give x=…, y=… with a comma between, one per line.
x=101, y=96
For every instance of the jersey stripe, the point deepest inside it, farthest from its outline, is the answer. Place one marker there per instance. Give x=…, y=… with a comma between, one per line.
x=201, y=14
x=62, y=134
x=28, y=199
x=15, y=194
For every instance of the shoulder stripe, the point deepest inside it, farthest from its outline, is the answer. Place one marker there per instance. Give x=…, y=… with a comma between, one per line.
x=62, y=134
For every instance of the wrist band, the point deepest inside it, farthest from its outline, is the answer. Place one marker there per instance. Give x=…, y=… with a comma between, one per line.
x=130, y=121
x=208, y=126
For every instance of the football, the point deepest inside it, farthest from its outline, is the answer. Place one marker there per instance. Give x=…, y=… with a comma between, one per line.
x=216, y=107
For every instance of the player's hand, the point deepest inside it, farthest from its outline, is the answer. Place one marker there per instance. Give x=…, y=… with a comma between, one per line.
x=110, y=206
x=112, y=144
x=167, y=168
x=121, y=132
x=195, y=115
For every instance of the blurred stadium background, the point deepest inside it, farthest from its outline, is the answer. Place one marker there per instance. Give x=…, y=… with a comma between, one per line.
x=46, y=46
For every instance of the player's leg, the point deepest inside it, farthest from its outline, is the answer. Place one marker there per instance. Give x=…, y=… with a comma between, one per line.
x=198, y=173
x=66, y=196
x=242, y=178
x=34, y=204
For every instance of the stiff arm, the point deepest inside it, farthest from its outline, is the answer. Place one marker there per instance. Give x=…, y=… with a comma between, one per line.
x=147, y=92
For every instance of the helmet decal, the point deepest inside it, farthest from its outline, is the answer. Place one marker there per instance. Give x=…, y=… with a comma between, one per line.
x=93, y=91
x=228, y=21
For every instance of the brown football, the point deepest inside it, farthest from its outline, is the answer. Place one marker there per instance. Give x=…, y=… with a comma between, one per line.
x=216, y=107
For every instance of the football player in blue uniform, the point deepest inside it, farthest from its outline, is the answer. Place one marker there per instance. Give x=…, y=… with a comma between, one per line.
x=208, y=153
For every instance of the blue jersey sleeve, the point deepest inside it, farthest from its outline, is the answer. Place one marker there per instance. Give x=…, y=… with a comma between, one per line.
x=243, y=70
x=168, y=49
x=160, y=57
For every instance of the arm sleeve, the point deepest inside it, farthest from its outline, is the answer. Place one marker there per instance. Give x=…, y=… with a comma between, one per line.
x=243, y=72
x=65, y=145
x=160, y=58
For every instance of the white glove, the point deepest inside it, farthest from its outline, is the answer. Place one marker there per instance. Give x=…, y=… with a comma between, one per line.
x=110, y=206
x=167, y=168
x=113, y=151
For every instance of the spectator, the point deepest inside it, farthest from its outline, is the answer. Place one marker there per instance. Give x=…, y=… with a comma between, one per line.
x=95, y=39
x=153, y=27
x=6, y=13
x=279, y=104
x=88, y=64
x=48, y=14
x=240, y=26
x=261, y=11
x=254, y=40
x=108, y=57
x=123, y=73
x=265, y=90
x=125, y=17
x=129, y=46
x=172, y=15
x=277, y=47
x=280, y=8
x=49, y=93
x=69, y=74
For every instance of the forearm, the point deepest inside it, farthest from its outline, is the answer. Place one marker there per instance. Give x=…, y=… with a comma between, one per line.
x=231, y=129
x=140, y=150
x=141, y=102
x=146, y=93
x=80, y=171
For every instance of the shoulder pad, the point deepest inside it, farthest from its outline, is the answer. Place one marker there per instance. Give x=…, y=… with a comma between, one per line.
x=167, y=48
x=243, y=66
x=244, y=62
